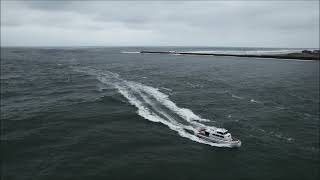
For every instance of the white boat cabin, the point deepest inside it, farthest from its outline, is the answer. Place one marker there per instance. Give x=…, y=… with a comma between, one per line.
x=219, y=133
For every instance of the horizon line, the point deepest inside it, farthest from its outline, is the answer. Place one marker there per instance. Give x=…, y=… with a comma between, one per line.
x=95, y=46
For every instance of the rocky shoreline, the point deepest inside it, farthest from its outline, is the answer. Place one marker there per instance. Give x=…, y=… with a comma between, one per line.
x=303, y=55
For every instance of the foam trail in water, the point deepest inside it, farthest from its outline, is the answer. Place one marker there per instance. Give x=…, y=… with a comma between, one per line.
x=154, y=105
x=167, y=89
x=187, y=114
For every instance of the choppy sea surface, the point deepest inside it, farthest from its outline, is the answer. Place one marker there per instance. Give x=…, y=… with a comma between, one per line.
x=111, y=113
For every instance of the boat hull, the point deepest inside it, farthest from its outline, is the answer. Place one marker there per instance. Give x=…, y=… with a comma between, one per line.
x=232, y=143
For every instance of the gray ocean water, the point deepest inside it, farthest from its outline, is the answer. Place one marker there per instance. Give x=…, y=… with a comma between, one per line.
x=110, y=113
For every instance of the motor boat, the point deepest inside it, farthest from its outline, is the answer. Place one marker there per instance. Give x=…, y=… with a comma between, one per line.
x=217, y=135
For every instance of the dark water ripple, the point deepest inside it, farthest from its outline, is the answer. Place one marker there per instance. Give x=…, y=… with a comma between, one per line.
x=58, y=123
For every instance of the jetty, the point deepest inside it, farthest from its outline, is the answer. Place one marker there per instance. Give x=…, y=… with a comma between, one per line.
x=303, y=55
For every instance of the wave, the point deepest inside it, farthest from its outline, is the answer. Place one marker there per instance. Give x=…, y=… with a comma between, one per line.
x=276, y=134
x=237, y=97
x=154, y=105
x=255, y=101
x=167, y=89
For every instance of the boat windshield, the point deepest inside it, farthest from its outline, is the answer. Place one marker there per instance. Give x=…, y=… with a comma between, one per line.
x=223, y=133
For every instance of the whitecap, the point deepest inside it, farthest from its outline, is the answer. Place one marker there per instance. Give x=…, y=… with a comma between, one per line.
x=167, y=89
x=255, y=101
x=237, y=97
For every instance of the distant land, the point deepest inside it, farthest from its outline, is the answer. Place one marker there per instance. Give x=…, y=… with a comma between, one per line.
x=303, y=55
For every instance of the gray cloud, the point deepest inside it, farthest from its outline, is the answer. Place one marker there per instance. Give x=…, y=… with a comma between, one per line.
x=185, y=23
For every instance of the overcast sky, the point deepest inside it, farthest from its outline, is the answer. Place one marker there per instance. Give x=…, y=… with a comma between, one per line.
x=180, y=23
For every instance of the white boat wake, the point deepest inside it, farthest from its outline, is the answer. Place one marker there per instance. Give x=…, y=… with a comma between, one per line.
x=154, y=105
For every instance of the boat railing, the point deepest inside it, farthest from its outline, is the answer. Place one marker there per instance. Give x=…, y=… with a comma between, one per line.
x=235, y=139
